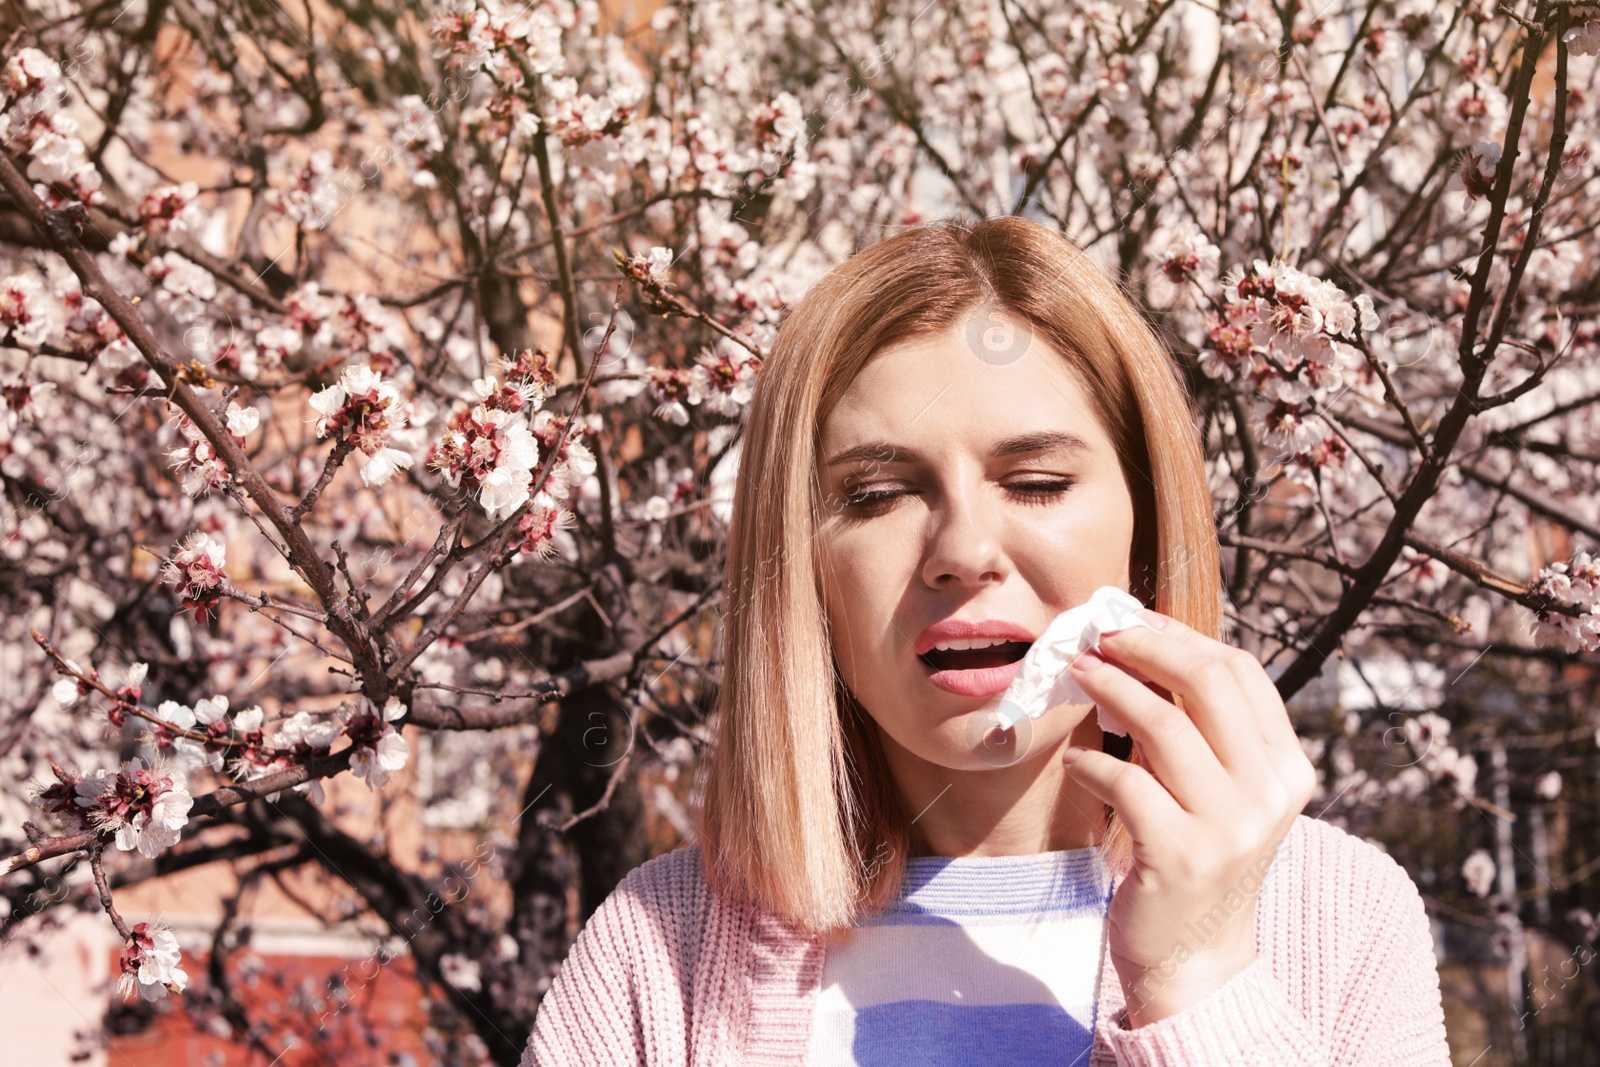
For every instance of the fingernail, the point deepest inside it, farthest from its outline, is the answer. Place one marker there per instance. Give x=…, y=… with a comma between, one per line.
x=1154, y=618
x=1072, y=753
x=1088, y=660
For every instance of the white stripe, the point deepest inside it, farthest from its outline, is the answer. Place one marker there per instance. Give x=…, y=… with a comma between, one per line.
x=1048, y=962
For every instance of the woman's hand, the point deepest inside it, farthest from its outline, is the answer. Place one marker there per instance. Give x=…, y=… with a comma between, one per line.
x=1226, y=779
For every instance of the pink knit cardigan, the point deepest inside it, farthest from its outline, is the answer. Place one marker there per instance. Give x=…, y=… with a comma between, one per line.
x=667, y=973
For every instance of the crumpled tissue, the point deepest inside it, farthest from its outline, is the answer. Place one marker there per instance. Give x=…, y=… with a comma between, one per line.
x=1043, y=681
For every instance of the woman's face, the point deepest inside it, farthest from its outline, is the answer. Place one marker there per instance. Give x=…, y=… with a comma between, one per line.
x=982, y=491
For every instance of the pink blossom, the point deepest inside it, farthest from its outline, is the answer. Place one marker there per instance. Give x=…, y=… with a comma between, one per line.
x=673, y=389
x=1573, y=584
x=379, y=748
x=31, y=71
x=1426, y=574
x=1474, y=110
x=276, y=343
x=539, y=525
x=490, y=448
x=366, y=409
x=145, y=807
x=251, y=756
x=25, y=310
x=302, y=737
x=574, y=463
x=202, y=469
x=181, y=277
x=579, y=118
x=311, y=197
x=150, y=964
x=197, y=568
x=724, y=382
x=1189, y=253
x=168, y=208
x=651, y=267
x=1475, y=174
x=58, y=157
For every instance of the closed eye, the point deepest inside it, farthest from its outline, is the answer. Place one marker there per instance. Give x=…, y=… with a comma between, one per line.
x=1041, y=492
x=1038, y=492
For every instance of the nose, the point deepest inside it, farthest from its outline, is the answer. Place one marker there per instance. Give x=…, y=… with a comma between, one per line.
x=963, y=540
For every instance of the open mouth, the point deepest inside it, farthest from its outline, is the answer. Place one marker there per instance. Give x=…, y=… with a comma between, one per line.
x=975, y=659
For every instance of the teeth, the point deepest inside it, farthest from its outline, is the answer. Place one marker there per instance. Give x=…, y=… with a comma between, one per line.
x=975, y=642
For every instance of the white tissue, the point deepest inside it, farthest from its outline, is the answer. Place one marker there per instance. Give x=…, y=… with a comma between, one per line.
x=1043, y=680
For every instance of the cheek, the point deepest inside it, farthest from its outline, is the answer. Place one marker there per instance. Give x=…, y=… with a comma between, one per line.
x=859, y=599
x=1067, y=554
x=1094, y=527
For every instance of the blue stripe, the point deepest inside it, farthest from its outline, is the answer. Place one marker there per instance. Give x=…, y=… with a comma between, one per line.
x=957, y=1035
x=953, y=888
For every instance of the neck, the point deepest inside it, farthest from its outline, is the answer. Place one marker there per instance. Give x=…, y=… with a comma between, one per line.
x=1028, y=807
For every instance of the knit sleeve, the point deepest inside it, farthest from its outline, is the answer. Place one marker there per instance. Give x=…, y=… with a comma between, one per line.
x=1363, y=978
x=590, y=1014
x=622, y=994
x=1391, y=1011
x=1247, y=1021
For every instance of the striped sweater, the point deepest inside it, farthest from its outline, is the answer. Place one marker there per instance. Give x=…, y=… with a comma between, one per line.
x=982, y=961
x=667, y=973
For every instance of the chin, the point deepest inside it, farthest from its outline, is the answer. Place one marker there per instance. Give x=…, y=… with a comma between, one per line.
x=971, y=742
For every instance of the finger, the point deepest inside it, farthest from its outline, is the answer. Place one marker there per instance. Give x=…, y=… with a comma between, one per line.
x=1205, y=681
x=1149, y=811
x=1263, y=699
x=1178, y=754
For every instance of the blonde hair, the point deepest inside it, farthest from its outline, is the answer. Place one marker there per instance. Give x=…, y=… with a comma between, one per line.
x=796, y=808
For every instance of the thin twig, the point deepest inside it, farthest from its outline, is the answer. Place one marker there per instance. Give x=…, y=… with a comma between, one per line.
x=104, y=890
x=597, y=807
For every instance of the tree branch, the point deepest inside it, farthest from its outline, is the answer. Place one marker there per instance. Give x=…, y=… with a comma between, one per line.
x=57, y=228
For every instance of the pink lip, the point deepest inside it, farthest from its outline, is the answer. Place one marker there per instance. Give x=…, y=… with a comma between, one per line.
x=978, y=683
x=974, y=683
x=964, y=629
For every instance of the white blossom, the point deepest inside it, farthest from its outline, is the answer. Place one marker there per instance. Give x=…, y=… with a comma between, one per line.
x=242, y=421
x=304, y=734
x=65, y=691
x=146, y=807
x=1188, y=253
x=460, y=971
x=1575, y=584
x=379, y=748
x=26, y=310
x=366, y=409
x=1583, y=39
x=384, y=462
x=1478, y=872
x=658, y=261
x=31, y=71
x=199, y=565
x=151, y=964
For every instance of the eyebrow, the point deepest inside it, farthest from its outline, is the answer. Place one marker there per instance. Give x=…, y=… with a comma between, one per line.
x=1021, y=444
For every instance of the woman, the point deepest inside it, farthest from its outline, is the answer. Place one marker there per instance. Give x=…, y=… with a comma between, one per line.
x=961, y=432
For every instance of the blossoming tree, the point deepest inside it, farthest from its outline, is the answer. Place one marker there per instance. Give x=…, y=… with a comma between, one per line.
x=516, y=267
